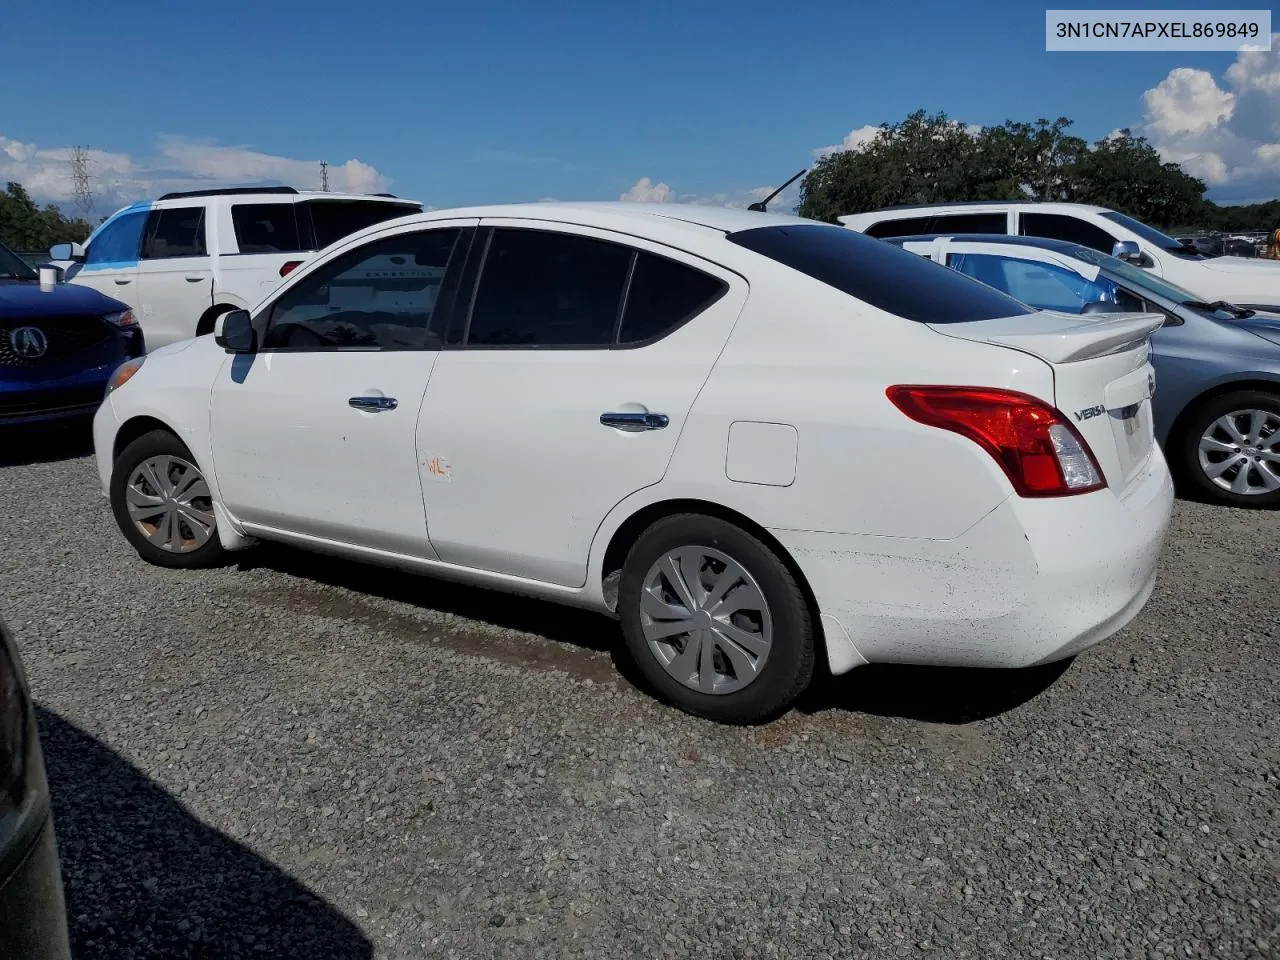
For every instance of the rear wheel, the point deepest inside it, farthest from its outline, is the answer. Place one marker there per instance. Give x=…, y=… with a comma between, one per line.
x=163, y=503
x=714, y=620
x=1231, y=449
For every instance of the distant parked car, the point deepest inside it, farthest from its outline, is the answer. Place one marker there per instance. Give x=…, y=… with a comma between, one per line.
x=755, y=439
x=57, y=346
x=33, y=916
x=1252, y=282
x=1217, y=406
x=186, y=258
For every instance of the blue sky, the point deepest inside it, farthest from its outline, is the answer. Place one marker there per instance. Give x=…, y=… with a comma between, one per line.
x=503, y=101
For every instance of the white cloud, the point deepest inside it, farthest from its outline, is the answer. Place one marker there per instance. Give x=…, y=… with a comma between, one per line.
x=176, y=164
x=645, y=190
x=853, y=140
x=1227, y=134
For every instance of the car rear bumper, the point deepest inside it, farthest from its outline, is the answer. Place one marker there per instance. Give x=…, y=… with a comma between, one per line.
x=1032, y=582
x=33, y=916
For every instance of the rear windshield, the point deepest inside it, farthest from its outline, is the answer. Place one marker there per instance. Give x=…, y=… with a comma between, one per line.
x=880, y=274
x=335, y=219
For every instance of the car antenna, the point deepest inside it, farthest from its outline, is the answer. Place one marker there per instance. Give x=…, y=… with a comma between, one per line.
x=761, y=206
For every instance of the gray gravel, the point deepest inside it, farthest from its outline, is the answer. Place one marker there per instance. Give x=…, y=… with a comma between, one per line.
x=303, y=757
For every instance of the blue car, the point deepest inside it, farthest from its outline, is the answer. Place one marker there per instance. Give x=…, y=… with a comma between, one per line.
x=1217, y=400
x=58, y=345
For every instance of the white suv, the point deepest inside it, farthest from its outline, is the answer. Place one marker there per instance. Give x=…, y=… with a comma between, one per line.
x=1249, y=282
x=185, y=259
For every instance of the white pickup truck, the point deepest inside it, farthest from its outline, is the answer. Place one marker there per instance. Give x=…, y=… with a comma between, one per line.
x=1247, y=281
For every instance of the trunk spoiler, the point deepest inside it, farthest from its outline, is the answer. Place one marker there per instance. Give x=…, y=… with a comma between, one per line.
x=1059, y=337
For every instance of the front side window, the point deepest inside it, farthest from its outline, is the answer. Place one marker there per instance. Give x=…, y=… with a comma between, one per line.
x=544, y=289
x=118, y=241
x=174, y=232
x=265, y=227
x=1055, y=226
x=13, y=266
x=880, y=274
x=1153, y=236
x=377, y=297
x=1044, y=285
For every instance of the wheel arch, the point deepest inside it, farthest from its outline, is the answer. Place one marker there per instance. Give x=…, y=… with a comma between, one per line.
x=135, y=427
x=1177, y=430
x=640, y=519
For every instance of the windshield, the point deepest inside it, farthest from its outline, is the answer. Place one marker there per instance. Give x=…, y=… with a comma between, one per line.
x=1143, y=280
x=13, y=267
x=1152, y=235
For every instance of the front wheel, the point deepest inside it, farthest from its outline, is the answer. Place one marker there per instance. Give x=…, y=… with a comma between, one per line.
x=1231, y=449
x=714, y=620
x=163, y=503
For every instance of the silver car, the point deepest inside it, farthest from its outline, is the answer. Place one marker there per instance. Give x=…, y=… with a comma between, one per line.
x=1217, y=402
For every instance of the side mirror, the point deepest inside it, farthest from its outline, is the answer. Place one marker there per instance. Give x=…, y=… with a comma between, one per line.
x=234, y=332
x=67, y=251
x=1128, y=251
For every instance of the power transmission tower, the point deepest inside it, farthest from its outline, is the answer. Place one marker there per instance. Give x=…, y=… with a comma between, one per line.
x=324, y=175
x=81, y=190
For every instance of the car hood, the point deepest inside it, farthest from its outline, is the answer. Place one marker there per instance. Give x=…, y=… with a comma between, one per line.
x=1254, y=266
x=24, y=300
x=1264, y=324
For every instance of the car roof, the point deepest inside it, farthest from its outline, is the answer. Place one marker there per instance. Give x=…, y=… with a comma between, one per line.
x=677, y=215
x=974, y=205
x=1042, y=243
x=269, y=195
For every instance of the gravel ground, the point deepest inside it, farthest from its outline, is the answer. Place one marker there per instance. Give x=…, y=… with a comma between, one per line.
x=304, y=757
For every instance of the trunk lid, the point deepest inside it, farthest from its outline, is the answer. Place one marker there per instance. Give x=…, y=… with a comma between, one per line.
x=1102, y=375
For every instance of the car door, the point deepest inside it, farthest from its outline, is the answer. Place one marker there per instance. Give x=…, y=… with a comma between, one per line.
x=313, y=435
x=111, y=257
x=175, y=279
x=562, y=391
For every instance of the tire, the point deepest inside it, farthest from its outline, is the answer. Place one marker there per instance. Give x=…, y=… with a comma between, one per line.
x=1212, y=424
x=748, y=684
x=160, y=457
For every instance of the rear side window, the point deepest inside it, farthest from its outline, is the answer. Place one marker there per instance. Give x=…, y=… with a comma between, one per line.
x=1055, y=226
x=543, y=289
x=174, y=232
x=881, y=274
x=334, y=219
x=266, y=227
x=945, y=223
x=664, y=295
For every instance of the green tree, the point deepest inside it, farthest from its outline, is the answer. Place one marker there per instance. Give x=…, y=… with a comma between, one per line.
x=1125, y=173
x=25, y=226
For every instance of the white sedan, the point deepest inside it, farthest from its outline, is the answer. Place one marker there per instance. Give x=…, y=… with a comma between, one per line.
x=757, y=440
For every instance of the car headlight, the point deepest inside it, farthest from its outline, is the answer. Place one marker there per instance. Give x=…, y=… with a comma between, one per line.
x=124, y=320
x=123, y=374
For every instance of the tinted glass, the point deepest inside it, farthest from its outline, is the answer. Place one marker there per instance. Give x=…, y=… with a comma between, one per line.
x=1147, y=233
x=13, y=266
x=334, y=219
x=265, y=227
x=540, y=289
x=1043, y=285
x=662, y=296
x=118, y=241
x=176, y=232
x=880, y=274
x=944, y=223
x=1143, y=281
x=380, y=296
x=1073, y=229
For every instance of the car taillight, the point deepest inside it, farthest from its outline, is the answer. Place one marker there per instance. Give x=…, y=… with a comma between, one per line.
x=1038, y=449
x=284, y=271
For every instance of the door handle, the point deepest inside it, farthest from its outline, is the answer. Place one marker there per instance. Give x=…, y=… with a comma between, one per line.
x=635, y=421
x=374, y=404
x=121, y=281
x=194, y=277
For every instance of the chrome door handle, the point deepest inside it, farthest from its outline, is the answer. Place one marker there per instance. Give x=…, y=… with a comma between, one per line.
x=635, y=421
x=373, y=404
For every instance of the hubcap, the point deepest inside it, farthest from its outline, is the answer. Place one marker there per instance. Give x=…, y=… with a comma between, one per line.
x=1240, y=452
x=170, y=504
x=706, y=620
